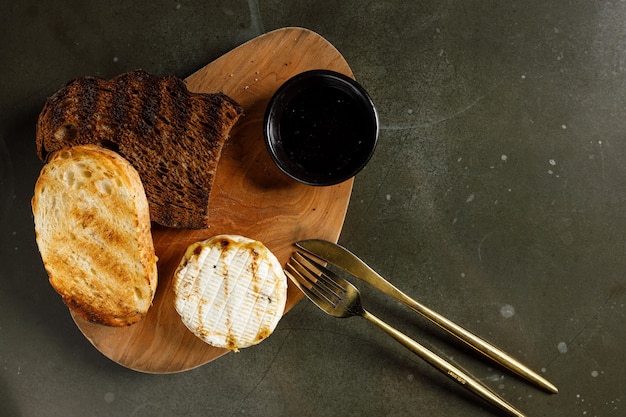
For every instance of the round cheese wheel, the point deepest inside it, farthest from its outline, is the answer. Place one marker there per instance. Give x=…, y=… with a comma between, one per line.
x=230, y=291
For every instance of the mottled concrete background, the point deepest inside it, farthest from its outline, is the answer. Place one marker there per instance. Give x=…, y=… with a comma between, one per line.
x=497, y=197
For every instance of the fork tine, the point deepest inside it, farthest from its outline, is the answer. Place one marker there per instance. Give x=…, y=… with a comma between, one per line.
x=308, y=286
x=316, y=282
x=328, y=277
x=296, y=278
x=309, y=269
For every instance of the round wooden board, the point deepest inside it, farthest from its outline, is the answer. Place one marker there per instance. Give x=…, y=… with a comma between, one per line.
x=250, y=197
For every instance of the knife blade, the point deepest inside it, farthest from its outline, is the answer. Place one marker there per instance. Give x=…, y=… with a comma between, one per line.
x=346, y=260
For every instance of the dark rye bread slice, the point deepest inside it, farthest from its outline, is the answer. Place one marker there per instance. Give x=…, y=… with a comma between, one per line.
x=171, y=136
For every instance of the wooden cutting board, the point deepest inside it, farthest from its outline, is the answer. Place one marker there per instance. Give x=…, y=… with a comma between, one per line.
x=250, y=197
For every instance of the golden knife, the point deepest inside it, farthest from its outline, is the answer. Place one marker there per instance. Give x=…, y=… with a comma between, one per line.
x=346, y=260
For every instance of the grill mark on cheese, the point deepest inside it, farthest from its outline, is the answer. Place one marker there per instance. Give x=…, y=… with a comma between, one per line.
x=254, y=316
x=250, y=304
x=259, y=300
x=225, y=267
x=217, y=286
x=207, y=266
x=194, y=269
x=226, y=297
x=236, y=329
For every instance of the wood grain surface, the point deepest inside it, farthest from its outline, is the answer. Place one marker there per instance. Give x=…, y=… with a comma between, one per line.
x=250, y=197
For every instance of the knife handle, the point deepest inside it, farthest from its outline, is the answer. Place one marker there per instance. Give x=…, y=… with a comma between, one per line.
x=343, y=258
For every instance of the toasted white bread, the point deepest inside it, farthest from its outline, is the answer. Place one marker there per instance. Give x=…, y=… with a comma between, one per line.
x=230, y=291
x=173, y=137
x=92, y=226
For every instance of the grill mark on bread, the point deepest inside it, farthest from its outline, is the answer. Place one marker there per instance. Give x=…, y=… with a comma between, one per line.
x=172, y=120
x=119, y=102
x=95, y=241
x=171, y=136
x=88, y=98
x=101, y=119
x=181, y=105
x=150, y=106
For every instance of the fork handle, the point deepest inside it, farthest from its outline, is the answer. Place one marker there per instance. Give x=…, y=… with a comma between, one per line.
x=481, y=345
x=451, y=371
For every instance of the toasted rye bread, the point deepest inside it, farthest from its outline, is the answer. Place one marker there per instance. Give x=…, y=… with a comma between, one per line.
x=171, y=136
x=92, y=227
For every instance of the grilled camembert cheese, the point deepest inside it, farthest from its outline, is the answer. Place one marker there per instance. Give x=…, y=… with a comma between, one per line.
x=230, y=291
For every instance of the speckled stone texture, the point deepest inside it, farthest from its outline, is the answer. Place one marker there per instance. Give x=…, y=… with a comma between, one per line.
x=497, y=196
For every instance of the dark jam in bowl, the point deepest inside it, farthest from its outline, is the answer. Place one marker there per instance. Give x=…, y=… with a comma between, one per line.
x=321, y=128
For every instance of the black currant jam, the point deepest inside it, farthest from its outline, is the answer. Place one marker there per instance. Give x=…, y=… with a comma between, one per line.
x=322, y=130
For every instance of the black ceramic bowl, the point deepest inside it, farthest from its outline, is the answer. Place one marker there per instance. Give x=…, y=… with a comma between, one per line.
x=321, y=127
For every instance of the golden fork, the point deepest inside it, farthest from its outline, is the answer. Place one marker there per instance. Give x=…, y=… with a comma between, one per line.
x=339, y=298
x=346, y=260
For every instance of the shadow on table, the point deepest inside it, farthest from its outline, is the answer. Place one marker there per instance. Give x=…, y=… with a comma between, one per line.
x=8, y=406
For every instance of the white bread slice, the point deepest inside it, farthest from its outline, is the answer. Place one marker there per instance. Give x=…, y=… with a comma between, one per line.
x=230, y=291
x=92, y=226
